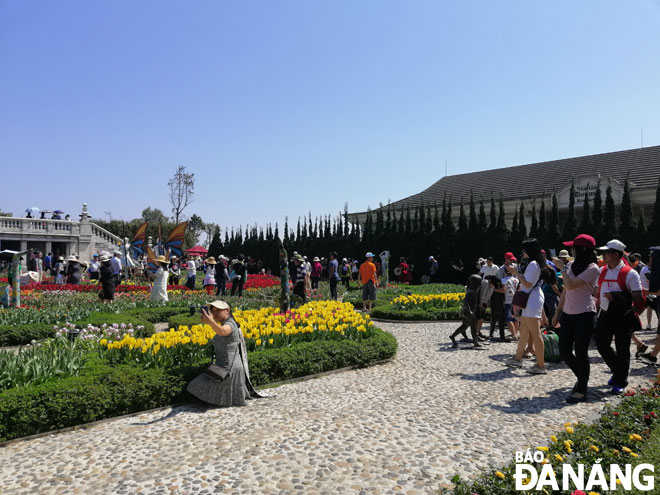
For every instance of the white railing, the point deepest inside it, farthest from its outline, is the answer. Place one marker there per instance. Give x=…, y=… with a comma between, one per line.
x=105, y=234
x=11, y=225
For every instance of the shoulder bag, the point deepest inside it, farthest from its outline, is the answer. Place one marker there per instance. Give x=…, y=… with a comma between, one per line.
x=218, y=372
x=521, y=297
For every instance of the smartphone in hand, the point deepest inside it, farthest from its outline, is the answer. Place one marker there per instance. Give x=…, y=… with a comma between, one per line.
x=204, y=309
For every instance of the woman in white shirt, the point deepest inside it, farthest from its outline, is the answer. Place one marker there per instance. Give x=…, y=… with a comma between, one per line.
x=530, y=322
x=577, y=311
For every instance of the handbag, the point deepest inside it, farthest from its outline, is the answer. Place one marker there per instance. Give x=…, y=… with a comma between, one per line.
x=217, y=372
x=520, y=297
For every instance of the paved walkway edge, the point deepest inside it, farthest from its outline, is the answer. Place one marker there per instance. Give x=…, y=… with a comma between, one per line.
x=162, y=408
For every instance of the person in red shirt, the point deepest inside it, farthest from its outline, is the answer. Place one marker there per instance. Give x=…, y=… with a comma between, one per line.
x=404, y=271
x=369, y=281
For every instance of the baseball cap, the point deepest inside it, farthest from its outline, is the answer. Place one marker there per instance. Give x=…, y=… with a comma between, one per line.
x=510, y=256
x=369, y=255
x=615, y=245
x=219, y=304
x=582, y=240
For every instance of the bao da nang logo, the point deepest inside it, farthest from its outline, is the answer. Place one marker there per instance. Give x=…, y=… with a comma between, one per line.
x=581, y=477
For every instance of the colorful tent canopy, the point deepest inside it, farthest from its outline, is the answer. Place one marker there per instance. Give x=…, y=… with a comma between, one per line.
x=197, y=250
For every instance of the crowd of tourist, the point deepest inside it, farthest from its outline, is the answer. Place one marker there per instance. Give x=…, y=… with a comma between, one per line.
x=592, y=292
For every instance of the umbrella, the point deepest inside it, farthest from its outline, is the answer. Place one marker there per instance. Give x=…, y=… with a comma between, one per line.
x=58, y=211
x=8, y=254
x=32, y=210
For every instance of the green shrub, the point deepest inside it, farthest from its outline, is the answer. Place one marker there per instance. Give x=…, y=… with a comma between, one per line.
x=103, y=391
x=389, y=313
x=308, y=358
x=11, y=335
x=157, y=315
x=184, y=319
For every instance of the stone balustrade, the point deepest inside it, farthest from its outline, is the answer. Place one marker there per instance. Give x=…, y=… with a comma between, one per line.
x=38, y=226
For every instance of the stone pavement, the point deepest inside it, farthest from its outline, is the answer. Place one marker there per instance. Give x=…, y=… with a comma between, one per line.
x=403, y=427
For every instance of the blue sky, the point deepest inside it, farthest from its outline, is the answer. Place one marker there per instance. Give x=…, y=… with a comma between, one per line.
x=280, y=108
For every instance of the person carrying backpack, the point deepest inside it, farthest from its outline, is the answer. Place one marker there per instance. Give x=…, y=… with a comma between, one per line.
x=345, y=273
x=621, y=300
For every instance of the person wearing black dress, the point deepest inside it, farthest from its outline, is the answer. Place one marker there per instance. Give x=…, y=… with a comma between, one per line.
x=107, y=293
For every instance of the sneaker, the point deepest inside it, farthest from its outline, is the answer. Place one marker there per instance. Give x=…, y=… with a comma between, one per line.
x=537, y=370
x=617, y=390
x=648, y=359
x=454, y=344
x=610, y=382
x=641, y=350
x=514, y=363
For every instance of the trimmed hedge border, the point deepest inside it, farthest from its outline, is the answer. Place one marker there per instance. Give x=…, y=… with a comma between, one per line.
x=419, y=314
x=103, y=391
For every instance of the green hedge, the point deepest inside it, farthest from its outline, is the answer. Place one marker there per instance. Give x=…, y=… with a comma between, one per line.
x=11, y=335
x=389, y=313
x=103, y=391
x=158, y=315
x=308, y=358
x=184, y=319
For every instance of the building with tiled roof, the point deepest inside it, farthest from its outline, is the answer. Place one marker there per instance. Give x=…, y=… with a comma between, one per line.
x=535, y=182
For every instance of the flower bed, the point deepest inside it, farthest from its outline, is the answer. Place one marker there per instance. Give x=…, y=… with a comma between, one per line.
x=616, y=438
x=262, y=329
x=93, y=287
x=258, y=281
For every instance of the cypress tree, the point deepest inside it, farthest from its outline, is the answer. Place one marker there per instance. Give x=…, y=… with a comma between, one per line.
x=309, y=228
x=415, y=223
x=609, y=216
x=627, y=229
x=534, y=229
x=286, y=230
x=462, y=220
x=597, y=214
x=388, y=220
x=436, y=218
x=483, y=221
x=408, y=226
x=586, y=227
x=522, y=225
x=473, y=222
x=492, y=227
x=276, y=234
x=422, y=218
x=515, y=238
x=380, y=225
x=653, y=231
x=340, y=227
x=570, y=226
x=428, y=224
x=346, y=226
x=553, y=226
x=542, y=232
x=298, y=231
x=450, y=229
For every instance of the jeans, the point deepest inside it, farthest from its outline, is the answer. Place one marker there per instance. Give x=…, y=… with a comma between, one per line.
x=333, y=288
x=618, y=361
x=575, y=333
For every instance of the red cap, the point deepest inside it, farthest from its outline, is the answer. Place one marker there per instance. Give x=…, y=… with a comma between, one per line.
x=510, y=256
x=582, y=240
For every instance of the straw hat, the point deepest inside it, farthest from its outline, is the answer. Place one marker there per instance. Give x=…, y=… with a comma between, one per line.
x=162, y=259
x=211, y=261
x=71, y=258
x=104, y=257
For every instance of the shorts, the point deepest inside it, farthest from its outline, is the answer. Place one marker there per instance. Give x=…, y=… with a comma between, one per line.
x=369, y=291
x=508, y=313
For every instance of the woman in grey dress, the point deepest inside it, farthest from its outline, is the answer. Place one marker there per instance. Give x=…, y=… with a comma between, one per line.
x=231, y=354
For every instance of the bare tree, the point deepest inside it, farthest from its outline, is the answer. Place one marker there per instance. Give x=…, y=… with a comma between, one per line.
x=182, y=190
